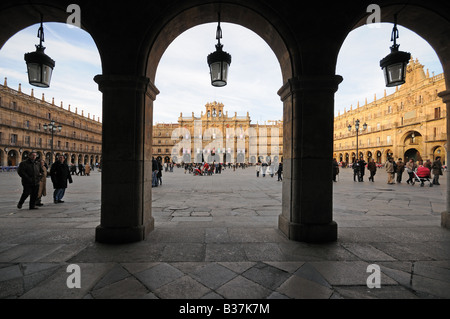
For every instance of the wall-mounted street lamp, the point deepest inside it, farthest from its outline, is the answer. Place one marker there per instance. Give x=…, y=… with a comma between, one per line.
x=39, y=65
x=219, y=62
x=394, y=64
x=53, y=128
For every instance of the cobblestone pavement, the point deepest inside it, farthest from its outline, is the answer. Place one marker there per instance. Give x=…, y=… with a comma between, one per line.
x=216, y=237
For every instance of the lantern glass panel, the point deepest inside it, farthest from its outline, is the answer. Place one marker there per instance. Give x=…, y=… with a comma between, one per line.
x=34, y=72
x=215, y=71
x=46, y=75
x=395, y=72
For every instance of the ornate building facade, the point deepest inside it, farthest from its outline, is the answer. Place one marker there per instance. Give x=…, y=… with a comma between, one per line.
x=22, y=120
x=410, y=123
x=214, y=136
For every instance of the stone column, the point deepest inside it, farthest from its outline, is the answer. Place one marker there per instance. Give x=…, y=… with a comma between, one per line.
x=445, y=216
x=126, y=158
x=308, y=149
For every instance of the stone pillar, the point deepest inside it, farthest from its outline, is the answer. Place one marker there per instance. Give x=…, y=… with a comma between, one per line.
x=126, y=158
x=445, y=216
x=308, y=149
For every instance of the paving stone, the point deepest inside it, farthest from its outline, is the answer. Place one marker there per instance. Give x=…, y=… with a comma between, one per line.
x=299, y=288
x=225, y=252
x=117, y=273
x=387, y=292
x=128, y=288
x=242, y=288
x=266, y=275
x=158, y=276
x=307, y=271
x=213, y=275
x=182, y=288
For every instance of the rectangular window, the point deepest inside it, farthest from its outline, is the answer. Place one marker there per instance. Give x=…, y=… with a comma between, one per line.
x=13, y=139
x=437, y=113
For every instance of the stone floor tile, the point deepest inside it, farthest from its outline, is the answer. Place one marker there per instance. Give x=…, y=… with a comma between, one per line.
x=266, y=275
x=264, y=251
x=116, y=274
x=243, y=288
x=159, y=275
x=307, y=271
x=183, y=252
x=385, y=292
x=128, y=288
x=213, y=275
x=225, y=252
x=182, y=288
x=299, y=288
x=367, y=252
x=238, y=267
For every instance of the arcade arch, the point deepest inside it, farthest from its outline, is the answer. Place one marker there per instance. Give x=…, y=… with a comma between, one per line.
x=307, y=59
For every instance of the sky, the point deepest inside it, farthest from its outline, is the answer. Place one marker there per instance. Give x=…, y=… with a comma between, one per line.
x=183, y=75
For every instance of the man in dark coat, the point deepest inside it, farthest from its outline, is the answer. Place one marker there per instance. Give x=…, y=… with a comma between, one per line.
x=60, y=174
x=31, y=172
x=362, y=168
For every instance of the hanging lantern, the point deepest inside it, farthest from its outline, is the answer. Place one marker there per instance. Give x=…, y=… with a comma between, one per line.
x=394, y=65
x=219, y=62
x=39, y=65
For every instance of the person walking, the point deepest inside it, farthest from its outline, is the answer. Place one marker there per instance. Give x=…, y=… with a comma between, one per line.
x=390, y=170
x=258, y=169
x=264, y=169
x=80, y=169
x=60, y=174
x=87, y=170
x=362, y=167
x=159, y=174
x=335, y=169
x=280, y=172
x=372, y=168
x=154, y=173
x=30, y=173
x=42, y=184
x=436, y=170
x=400, y=170
x=410, y=169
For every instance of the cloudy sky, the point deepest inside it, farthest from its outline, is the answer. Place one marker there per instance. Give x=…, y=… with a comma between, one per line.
x=183, y=75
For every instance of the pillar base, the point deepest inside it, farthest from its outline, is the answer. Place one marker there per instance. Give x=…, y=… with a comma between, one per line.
x=123, y=235
x=445, y=219
x=310, y=233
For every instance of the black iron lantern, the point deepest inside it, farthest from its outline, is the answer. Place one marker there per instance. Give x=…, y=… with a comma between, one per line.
x=394, y=65
x=219, y=62
x=39, y=65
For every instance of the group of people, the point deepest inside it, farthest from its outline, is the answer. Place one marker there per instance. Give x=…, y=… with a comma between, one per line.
x=33, y=175
x=82, y=169
x=422, y=170
x=270, y=169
